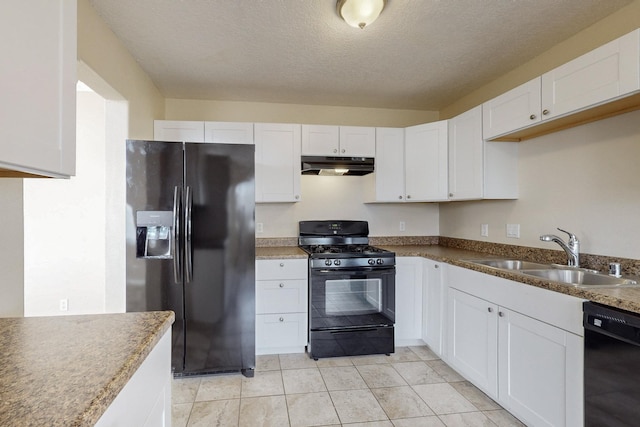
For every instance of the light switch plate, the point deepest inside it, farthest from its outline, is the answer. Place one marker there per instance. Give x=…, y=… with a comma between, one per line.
x=402, y=226
x=259, y=227
x=484, y=230
x=513, y=230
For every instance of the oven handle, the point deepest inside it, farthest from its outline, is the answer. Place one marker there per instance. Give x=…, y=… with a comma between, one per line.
x=350, y=331
x=355, y=270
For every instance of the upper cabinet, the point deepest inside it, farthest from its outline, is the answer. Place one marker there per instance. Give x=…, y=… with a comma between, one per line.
x=600, y=83
x=389, y=166
x=349, y=141
x=228, y=132
x=278, y=168
x=480, y=169
x=178, y=131
x=425, y=162
x=38, y=85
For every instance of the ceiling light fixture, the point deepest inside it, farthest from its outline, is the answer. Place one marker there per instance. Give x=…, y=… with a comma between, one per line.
x=360, y=13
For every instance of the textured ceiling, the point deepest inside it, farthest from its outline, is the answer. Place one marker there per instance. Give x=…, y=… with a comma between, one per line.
x=420, y=54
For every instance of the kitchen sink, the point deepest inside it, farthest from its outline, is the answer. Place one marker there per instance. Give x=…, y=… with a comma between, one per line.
x=509, y=264
x=580, y=278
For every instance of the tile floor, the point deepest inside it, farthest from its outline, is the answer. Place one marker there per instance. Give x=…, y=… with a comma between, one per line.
x=412, y=387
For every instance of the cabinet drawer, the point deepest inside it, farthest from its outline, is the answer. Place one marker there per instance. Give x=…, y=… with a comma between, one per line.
x=281, y=269
x=281, y=330
x=281, y=296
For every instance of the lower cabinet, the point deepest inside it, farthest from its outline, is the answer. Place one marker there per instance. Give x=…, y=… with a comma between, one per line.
x=408, y=327
x=281, y=306
x=531, y=366
x=433, y=301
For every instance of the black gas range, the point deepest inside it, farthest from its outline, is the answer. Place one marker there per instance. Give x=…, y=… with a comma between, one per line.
x=351, y=290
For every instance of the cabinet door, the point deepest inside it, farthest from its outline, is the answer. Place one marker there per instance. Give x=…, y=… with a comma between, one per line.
x=277, y=162
x=466, y=155
x=178, y=131
x=425, y=161
x=320, y=140
x=389, y=165
x=228, y=132
x=472, y=340
x=605, y=73
x=408, y=327
x=433, y=305
x=540, y=371
x=38, y=86
x=357, y=141
x=515, y=109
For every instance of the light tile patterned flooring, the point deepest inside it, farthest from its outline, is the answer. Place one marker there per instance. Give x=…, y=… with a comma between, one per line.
x=412, y=387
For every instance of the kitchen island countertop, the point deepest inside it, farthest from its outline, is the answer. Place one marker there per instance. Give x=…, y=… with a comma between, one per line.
x=66, y=370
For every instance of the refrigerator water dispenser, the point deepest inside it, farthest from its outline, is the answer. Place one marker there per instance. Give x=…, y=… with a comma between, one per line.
x=154, y=232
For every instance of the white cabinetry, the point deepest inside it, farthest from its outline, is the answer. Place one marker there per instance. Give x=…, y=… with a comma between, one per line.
x=480, y=169
x=228, y=132
x=522, y=345
x=277, y=162
x=408, y=326
x=178, y=130
x=38, y=86
x=146, y=399
x=425, y=162
x=389, y=171
x=433, y=305
x=324, y=140
x=281, y=306
x=590, y=87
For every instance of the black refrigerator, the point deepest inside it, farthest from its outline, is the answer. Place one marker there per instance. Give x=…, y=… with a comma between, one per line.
x=191, y=249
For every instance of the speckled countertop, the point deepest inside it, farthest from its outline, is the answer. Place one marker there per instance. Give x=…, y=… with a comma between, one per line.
x=624, y=298
x=280, y=252
x=66, y=370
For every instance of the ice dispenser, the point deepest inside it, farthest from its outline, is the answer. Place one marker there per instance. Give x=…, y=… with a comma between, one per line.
x=154, y=234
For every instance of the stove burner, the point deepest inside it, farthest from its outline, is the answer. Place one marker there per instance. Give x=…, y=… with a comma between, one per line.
x=345, y=249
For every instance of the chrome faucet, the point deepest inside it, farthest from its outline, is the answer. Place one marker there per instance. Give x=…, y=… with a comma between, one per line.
x=572, y=247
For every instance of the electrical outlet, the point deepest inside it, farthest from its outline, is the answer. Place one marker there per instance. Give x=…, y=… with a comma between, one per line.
x=402, y=226
x=259, y=227
x=64, y=304
x=513, y=230
x=484, y=230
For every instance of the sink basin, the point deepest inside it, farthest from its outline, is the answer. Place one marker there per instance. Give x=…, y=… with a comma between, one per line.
x=508, y=264
x=580, y=278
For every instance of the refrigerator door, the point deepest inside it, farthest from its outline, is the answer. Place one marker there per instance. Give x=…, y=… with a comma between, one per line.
x=219, y=258
x=154, y=227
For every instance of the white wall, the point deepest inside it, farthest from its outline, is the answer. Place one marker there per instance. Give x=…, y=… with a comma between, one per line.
x=343, y=197
x=64, y=225
x=11, y=248
x=585, y=180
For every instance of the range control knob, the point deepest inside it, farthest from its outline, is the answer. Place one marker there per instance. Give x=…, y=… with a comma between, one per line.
x=336, y=262
x=327, y=262
x=379, y=261
x=371, y=261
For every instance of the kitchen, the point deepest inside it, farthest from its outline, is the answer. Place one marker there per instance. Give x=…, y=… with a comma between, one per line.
x=567, y=194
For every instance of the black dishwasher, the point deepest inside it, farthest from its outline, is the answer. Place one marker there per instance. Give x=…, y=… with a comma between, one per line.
x=611, y=366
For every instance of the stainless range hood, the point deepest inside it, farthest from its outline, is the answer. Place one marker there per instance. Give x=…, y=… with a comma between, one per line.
x=336, y=166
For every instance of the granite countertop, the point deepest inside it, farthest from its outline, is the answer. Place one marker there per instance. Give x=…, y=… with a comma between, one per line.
x=66, y=370
x=623, y=298
x=280, y=252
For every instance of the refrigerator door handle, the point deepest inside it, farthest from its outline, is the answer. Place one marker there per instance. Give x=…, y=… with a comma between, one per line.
x=177, y=265
x=188, y=244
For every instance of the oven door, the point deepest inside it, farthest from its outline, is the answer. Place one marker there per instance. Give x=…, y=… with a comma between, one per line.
x=351, y=298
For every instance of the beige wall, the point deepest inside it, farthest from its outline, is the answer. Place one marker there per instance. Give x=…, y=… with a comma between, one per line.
x=619, y=23
x=189, y=109
x=103, y=53
x=585, y=180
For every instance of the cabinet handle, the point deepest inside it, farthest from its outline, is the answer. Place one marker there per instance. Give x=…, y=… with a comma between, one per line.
x=450, y=194
x=408, y=196
x=343, y=150
x=400, y=197
x=282, y=264
x=297, y=197
x=281, y=285
x=437, y=266
x=281, y=319
x=545, y=112
x=335, y=150
x=532, y=117
x=490, y=310
x=501, y=314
